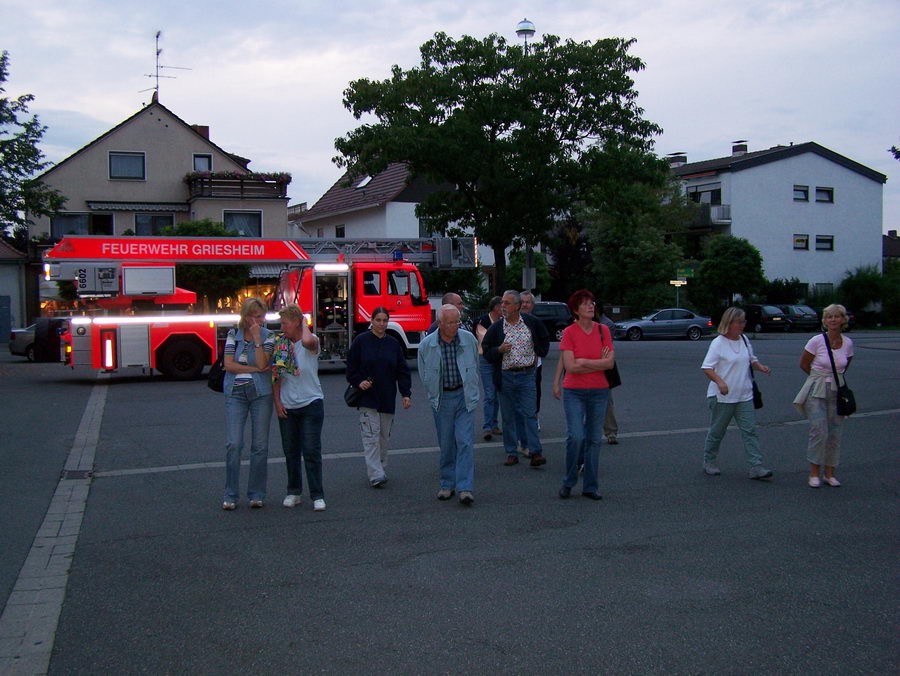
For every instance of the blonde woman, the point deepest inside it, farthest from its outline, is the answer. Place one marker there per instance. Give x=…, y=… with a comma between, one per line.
x=248, y=392
x=730, y=393
x=816, y=399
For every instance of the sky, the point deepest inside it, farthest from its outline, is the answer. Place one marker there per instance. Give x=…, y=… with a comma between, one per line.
x=268, y=77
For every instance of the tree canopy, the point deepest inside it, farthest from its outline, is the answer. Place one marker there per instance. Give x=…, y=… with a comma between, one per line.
x=731, y=266
x=20, y=160
x=509, y=139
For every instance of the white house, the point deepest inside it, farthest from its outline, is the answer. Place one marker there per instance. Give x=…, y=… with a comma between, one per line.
x=812, y=213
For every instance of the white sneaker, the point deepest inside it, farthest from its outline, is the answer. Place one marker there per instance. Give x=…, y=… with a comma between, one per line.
x=291, y=500
x=319, y=505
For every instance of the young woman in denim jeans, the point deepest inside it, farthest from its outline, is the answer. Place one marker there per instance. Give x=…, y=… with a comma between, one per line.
x=248, y=392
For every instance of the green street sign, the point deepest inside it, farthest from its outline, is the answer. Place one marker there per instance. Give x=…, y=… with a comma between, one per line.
x=684, y=272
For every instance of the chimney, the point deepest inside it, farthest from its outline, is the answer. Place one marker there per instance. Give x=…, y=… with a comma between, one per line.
x=892, y=234
x=677, y=160
x=202, y=129
x=738, y=148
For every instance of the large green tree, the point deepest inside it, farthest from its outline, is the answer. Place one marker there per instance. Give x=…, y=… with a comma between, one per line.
x=731, y=266
x=634, y=233
x=215, y=282
x=20, y=160
x=510, y=139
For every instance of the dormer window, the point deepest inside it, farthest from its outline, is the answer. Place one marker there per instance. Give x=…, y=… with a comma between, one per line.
x=364, y=182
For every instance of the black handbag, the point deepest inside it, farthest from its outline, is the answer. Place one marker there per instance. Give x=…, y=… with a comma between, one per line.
x=352, y=396
x=216, y=378
x=612, y=376
x=846, y=402
x=757, y=395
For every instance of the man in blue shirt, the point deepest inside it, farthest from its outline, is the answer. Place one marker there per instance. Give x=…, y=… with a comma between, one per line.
x=448, y=367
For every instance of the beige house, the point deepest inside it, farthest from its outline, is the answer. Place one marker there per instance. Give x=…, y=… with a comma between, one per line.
x=154, y=170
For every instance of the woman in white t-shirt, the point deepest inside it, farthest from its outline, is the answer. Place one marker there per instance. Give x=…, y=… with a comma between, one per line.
x=817, y=398
x=730, y=393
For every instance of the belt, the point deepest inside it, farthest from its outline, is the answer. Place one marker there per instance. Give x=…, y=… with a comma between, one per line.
x=520, y=368
x=452, y=389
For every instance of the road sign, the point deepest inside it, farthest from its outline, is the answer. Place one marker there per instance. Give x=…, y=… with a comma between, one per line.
x=684, y=272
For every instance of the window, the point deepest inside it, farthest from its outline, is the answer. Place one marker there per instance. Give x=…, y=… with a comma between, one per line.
x=824, y=242
x=320, y=232
x=127, y=166
x=801, y=242
x=801, y=193
x=398, y=283
x=665, y=315
x=371, y=283
x=825, y=195
x=152, y=224
x=339, y=231
x=364, y=182
x=80, y=224
x=243, y=223
x=682, y=314
x=202, y=162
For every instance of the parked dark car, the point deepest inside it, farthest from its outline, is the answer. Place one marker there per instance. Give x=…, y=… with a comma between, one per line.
x=668, y=323
x=555, y=317
x=801, y=317
x=766, y=318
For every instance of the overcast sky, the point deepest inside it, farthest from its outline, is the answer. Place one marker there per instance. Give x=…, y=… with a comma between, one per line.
x=268, y=77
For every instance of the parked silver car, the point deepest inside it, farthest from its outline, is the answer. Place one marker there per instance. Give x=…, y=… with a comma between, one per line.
x=668, y=323
x=21, y=342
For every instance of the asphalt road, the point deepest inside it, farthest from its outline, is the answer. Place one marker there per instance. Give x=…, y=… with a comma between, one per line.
x=673, y=572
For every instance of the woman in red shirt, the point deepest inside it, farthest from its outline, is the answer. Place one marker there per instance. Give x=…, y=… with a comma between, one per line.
x=587, y=352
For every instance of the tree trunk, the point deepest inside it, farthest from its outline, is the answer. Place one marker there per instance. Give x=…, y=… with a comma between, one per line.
x=499, y=268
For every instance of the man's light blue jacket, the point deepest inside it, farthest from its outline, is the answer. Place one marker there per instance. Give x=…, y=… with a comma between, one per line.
x=430, y=365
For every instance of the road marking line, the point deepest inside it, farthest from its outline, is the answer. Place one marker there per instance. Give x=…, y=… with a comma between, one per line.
x=30, y=617
x=434, y=449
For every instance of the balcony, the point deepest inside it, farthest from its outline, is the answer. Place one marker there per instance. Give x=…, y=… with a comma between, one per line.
x=712, y=214
x=232, y=185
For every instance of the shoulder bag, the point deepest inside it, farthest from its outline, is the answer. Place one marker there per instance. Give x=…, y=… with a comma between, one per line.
x=846, y=402
x=757, y=395
x=215, y=380
x=613, y=378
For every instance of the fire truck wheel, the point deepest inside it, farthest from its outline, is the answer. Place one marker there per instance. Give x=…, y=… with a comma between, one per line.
x=182, y=360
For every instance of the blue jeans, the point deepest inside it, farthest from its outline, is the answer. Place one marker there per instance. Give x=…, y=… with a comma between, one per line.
x=455, y=432
x=585, y=410
x=491, y=406
x=243, y=401
x=301, y=435
x=744, y=417
x=518, y=399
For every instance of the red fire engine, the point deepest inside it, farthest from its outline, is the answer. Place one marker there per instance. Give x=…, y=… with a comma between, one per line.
x=337, y=283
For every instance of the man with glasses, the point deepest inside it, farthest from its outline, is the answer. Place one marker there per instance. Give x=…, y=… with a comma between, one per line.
x=514, y=345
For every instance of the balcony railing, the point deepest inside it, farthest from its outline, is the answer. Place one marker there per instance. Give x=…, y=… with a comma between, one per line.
x=237, y=188
x=720, y=213
x=712, y=214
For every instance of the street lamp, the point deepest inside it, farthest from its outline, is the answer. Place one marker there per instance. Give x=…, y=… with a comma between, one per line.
x=525, y=30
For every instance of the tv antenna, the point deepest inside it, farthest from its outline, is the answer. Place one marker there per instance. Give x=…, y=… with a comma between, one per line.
x=156, y=76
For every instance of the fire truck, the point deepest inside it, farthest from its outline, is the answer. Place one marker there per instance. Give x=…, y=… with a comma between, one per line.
x=338, y=283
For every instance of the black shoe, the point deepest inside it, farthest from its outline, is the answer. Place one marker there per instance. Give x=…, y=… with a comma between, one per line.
x=592, y=496
x=378, y=483
x=466, y=498
x=565, y=492
x=488, y=435
x=537, y=460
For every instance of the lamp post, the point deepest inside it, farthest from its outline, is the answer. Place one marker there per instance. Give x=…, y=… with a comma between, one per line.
x=525, y=30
